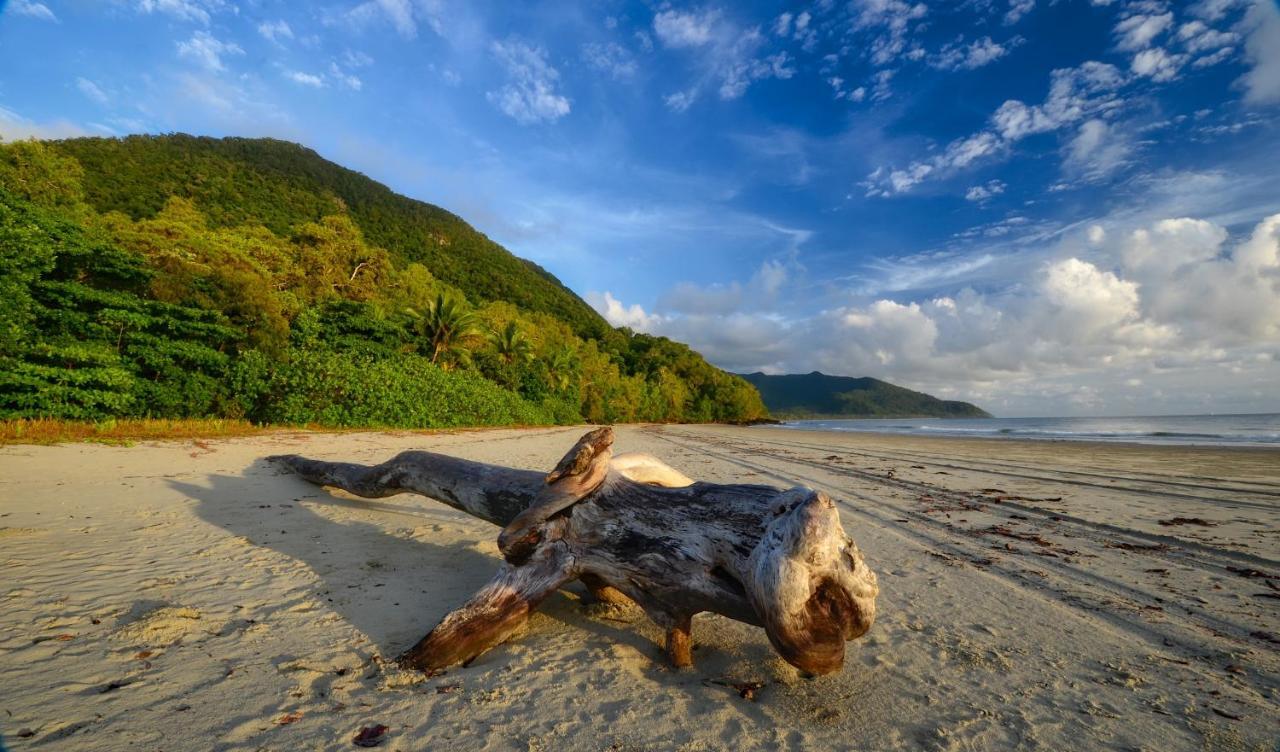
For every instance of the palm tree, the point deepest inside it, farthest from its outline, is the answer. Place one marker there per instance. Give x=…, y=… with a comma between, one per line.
x=561, y=366
x=443, y=325
x=511, y=344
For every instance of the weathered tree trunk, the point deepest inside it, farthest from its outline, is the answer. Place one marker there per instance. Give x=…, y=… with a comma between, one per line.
x=632, y=526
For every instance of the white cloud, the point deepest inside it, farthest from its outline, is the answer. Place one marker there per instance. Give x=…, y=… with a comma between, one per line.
x=980, y=52
x=617, y=314
x=1262, y=48
x=761, y=290
x=1197, y=37
x=1074, y=94
x=349, y=80
x=726, y=56
x=14, y=127
x=1157, y=64
x=958, y=155
x=984, y=192
x=356, y=59
x=681, y=100
x=530, y=94
x=683, y=30
x=1212, y=10
x=199, y=11
x=1169, y=302
x=92, y=91
x=275, y=31
x=610, y=57
x=891, y=22
x=305, y=79
x=1018, y=9
x=32, y=9
x=1098, y=150
x=207, y=51
x=403, y=15
x=1138, y=31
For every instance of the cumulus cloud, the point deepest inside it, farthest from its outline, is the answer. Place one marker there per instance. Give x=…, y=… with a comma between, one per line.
x=207, y=51
x=1074, y=94
x=1168, y=300
x=32, y=9
x=530, y=95
x=618, y=314
x=1138, y=31
x=1157, y=64
x=1196, y=36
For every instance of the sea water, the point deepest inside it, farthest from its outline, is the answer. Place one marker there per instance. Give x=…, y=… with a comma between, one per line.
x=1252, y=429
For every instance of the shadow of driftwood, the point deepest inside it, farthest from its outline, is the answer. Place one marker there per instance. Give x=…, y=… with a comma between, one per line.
x=391, y=585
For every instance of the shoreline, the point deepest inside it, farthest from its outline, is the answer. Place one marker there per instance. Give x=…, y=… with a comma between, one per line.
x=1057, y=595
x=1024, y=432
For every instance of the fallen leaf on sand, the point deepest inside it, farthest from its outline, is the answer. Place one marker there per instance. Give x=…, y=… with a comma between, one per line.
x=288, y=718
x=370, y=736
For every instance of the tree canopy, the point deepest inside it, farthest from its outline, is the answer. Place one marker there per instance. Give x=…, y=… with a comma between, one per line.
x=189, y=277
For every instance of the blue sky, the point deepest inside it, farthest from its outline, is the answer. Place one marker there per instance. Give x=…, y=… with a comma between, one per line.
x=1066, y=207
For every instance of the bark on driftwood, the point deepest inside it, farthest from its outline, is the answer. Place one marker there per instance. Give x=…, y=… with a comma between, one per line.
x=630, y=527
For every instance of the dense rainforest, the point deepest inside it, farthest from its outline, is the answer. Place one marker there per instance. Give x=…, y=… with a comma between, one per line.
x=176, y=276
x=818, y=395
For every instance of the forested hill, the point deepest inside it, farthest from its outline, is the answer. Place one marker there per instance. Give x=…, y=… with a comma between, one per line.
x=236, y=181
x=182, y=277
x=819, y=395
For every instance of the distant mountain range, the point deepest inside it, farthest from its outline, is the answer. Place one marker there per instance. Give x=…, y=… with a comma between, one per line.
x=817, y=395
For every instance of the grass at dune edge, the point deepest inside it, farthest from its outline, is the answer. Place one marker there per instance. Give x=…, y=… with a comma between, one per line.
x=124, y=432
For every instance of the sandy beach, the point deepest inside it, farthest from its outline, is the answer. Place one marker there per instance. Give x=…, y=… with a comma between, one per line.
x=1034, y=595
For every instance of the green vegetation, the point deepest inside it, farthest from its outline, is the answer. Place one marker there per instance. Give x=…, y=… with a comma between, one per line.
x=190, y=278
x=817, y=395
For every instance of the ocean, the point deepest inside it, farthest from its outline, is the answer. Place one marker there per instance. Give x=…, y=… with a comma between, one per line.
x=1233, y=430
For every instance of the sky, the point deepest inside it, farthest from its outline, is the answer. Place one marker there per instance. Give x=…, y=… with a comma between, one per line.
x=1047, y=208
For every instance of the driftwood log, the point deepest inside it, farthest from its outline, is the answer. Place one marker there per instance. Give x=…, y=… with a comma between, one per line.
x=631, y=527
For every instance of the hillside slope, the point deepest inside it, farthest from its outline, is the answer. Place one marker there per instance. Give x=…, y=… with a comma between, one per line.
x=184, y=277
x=234, y=181
x=817, y=394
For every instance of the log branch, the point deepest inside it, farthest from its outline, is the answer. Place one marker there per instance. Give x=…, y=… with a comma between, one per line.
x=636, y=530
x=493, y=614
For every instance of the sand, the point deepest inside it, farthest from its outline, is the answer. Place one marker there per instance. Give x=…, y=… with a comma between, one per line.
x=1034, y=595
